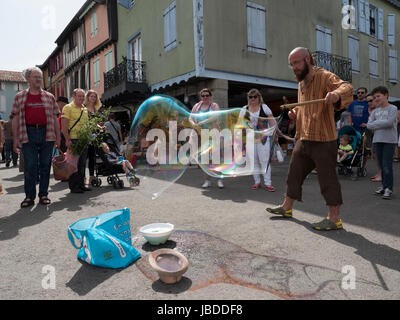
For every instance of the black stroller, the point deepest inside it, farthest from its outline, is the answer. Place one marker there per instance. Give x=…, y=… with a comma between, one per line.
x=104, y=168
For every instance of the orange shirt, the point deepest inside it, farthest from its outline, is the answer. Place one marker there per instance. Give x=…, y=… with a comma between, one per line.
x=316, y=122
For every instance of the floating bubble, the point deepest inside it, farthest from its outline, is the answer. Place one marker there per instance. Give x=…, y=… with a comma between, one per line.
x=165, y=138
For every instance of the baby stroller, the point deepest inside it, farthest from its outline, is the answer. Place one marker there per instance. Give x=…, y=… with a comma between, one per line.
x=104, y=168
x=358, y=159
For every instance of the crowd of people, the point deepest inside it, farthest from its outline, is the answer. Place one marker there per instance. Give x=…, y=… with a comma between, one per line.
x=39, y=124
x=374, y=117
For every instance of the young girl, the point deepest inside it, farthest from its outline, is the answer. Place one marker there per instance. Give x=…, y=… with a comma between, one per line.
x=114, y=159
x=345, y=149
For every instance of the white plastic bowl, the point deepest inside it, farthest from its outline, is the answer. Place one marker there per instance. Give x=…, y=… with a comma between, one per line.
x=157, y=233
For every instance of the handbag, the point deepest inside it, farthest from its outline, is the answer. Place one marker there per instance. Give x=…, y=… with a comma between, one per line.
x=105, y=240
x=64, y=165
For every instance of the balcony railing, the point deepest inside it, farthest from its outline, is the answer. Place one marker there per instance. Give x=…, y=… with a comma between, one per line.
x=338, y=65
x=128, y=71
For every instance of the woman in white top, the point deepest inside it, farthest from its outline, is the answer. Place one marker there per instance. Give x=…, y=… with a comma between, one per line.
x=261, y=117
x=205, y=105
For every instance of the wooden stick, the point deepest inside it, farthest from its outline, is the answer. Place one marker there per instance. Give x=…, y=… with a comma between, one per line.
x=293, y=105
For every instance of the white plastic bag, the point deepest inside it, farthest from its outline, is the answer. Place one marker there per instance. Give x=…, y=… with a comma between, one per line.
x=278, y=153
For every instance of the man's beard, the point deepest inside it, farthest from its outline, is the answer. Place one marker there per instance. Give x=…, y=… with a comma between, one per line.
x=303, y=73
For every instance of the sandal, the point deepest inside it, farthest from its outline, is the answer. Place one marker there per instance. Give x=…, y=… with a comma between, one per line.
x=280, y=211
x=327, y=225
x=44, y=200
x=27, y=203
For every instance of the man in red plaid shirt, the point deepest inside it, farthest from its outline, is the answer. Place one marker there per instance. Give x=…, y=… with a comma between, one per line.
x=36, y=131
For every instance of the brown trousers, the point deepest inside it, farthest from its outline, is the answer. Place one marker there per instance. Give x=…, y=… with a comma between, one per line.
x=309, y=155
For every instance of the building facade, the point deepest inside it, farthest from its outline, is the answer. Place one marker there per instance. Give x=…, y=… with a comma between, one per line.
x=101, y=35
x=11, y=83
x=233, y=46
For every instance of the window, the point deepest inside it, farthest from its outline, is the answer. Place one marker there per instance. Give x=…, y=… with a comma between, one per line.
x=391, y=29
x=96, y=72
x=76, y=79
x=324, y=39
x=93, y=24
x=170, y=27
x=352, y=3
x=256, y=28
x=109, y=60
x=393, y=66
x=83, y=78
x=354, y=50
x=2, y=86
x=372, y=20
x=373, y=60
x=71, y=42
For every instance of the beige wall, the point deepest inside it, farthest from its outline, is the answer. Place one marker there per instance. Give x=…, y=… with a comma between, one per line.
x=146, y=18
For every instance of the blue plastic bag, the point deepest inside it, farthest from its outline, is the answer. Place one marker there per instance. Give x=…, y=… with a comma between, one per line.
x=104, y=241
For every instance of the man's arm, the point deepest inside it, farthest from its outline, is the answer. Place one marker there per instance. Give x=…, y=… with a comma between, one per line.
x=340, y=92
x=64, y=129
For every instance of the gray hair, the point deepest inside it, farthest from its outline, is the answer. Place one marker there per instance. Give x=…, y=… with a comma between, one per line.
x=27, y=72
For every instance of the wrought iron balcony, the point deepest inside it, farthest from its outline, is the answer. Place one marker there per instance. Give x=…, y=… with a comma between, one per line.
x=126, y=81
x=128, y=71
x=338, y=65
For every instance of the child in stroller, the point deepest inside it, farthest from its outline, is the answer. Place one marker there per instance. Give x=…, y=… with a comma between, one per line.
x=112, y=164
x=345, y=150
x=359, y=156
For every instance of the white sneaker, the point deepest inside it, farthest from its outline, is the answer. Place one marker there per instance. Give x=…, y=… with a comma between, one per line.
x=220, y=184
x=206, y=184
x=380, y=191
x=387, y=194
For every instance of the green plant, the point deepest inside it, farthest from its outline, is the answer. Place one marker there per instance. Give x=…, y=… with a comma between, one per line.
x=92, y=132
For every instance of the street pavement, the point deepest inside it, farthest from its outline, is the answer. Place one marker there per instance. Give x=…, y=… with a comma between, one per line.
x=236, y=250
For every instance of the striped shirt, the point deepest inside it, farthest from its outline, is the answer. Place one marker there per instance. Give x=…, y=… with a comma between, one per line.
x=51, y=111
x=316, y=122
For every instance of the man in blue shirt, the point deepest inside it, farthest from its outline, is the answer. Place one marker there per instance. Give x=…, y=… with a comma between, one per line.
x=359, y=110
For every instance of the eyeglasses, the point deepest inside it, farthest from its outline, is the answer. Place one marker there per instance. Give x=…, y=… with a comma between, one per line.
x=370, y=101
x=253, y=97
x=361, y=92
x=205, y=95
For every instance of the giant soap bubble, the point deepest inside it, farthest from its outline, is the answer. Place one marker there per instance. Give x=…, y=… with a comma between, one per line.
x=165, y=138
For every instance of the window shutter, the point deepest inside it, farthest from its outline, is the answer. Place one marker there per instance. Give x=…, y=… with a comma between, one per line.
x=380, y=25
x=373, y=60
x=166, y=28
x=361, y=15
x=170, y=33
x=393, y=66
x=354, y=50
x=367, y=19
x=324, y=39
x=391, y=29
x=256, y=28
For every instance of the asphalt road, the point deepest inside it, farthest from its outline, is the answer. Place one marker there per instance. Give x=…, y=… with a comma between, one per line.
x=236, y=250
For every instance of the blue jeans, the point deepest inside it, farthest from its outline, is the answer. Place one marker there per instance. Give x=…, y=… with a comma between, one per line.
x=385, y=153
x=37, y=155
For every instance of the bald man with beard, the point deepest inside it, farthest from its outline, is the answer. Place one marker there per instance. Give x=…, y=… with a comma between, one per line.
x=316, y=146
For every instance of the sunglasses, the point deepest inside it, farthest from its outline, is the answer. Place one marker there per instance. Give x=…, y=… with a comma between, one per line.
x=370, y=101
x=205, y=95
x=253, y=97
x=361, y=92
